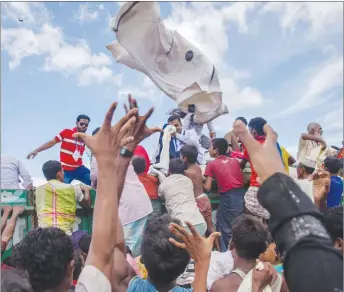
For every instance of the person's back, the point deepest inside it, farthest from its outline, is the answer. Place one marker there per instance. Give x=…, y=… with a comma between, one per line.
x=164, y=261
x=334, y=197
x=56, y=201
x=11, y=170
x=178, y=192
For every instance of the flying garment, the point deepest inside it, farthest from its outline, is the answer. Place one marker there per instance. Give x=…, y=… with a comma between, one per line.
x=175, y=66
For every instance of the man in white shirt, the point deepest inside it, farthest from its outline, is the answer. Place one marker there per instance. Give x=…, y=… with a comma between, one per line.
x=178, y=192
x=11, y=171
x=304, y=172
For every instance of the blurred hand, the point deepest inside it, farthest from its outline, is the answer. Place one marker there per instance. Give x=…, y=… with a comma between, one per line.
x=106, y=144
x=262, y=276
x=198, y=247
x=265, y=158
x=7, y=209
x=140, y=131
x=18, y=210
x=32, y=155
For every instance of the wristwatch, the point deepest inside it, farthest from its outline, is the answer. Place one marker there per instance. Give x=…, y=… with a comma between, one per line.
x=125, y=152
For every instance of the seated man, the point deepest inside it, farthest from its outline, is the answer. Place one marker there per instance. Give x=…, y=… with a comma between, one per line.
x=56, y=201
x=47, y=254
x=178, y=192
x=163, y=261
x=249, y=241
x=150, y=183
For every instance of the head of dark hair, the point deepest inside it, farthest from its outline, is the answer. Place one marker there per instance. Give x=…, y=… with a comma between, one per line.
x=177, y=166
x=333, y=221
x=164, y=261
x=332, y=164
x=308, y=170
x=84, y=243
x=257, y=124
x=14, y=280
x=82, y=117
x=221, y=145
x=249, y=237
x=51, y=168
x=79, y=264
x=173, y=118
x=45, y=253
x=190, y=152
x=95, y=131
x=139, y=164
x=242, y=119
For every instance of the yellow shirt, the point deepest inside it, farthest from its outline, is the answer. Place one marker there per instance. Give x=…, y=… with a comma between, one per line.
x=285, y=157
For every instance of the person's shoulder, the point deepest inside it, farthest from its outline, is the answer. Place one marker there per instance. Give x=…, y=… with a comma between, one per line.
x=136, y=284
x=228, y=283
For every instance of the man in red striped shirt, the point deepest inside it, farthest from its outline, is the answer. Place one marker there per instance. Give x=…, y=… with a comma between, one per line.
x=71, y=152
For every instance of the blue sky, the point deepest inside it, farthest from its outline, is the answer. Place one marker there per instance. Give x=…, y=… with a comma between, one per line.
x=279, y=60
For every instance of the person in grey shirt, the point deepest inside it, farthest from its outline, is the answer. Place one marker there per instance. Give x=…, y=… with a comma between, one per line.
x=178, y=192
x=12, y=170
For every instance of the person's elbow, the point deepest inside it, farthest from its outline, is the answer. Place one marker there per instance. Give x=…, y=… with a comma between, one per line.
x=207, y=184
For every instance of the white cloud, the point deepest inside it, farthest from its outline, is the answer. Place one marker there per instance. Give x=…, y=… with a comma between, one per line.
x=326, y=76
x=33, y=13
x=59, y=55
x=88, y=12
x=320, y=16
x=99, y=75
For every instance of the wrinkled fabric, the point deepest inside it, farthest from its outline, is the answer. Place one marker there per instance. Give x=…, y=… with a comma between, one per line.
x=176, y=66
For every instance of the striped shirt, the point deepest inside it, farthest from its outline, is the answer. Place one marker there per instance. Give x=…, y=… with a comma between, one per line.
x=69, y=147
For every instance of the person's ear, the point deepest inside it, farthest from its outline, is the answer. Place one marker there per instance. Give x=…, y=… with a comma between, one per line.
x=338, y=244
x=70, y=267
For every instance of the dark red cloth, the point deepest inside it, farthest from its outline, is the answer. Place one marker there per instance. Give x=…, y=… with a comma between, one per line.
x=140, y=151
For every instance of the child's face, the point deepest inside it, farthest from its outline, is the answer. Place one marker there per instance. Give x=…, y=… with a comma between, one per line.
x=270, y=254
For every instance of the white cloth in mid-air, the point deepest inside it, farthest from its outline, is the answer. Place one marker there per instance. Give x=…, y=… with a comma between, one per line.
x=176, y=66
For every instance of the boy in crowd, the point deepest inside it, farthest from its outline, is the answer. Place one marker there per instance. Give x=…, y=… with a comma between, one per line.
x=150, y=183
x=56, y=201
x=178, y=192
x=334, y=197
x=194, y=172
x=229, y=178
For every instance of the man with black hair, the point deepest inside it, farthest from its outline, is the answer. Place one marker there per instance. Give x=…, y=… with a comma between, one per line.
x=13, y=280
x=164, y=261
x=47, y=254
x=150, y=183
x=249, y=241
x=178, y=192
x=230, y=181
x=333, y=221
x=173, y=150
x=334, y=197
x=71, y=151
x=56, y=201
x=189, y=154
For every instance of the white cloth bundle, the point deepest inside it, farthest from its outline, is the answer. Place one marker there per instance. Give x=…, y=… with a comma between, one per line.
x=176, y=66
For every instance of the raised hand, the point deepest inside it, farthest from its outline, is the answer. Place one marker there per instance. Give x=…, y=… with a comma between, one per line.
x=140, y=131
x=107, y=142
x=197, y=246
x=265, y=158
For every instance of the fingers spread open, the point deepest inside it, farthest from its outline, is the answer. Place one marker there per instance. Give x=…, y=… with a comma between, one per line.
x=126, y=141
x=126, y=118
x=192, y=229
x=176, y=232
x=180, y=229
x=82, y=136
x=109, y=116
x=126, y=127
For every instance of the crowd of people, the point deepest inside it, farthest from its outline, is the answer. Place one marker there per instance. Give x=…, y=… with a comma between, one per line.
x=154, y=227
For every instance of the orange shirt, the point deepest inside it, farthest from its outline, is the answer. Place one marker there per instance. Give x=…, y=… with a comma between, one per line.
x=151, y=185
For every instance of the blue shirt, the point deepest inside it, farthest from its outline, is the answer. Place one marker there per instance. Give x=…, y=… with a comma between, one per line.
x=336, y=191
x=139, y=285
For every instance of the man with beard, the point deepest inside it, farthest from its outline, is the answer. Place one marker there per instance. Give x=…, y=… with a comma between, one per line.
x=71, y=152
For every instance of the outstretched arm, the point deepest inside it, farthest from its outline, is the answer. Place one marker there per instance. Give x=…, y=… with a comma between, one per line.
x=45, y=146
